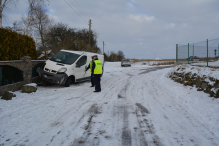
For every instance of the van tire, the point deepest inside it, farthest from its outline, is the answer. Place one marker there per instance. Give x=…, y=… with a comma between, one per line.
x=68, y=82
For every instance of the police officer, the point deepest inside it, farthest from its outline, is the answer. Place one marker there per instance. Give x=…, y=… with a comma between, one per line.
x=90, y=67
x=97, y=70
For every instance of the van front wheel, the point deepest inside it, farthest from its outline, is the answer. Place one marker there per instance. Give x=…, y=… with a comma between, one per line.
x=68, y=82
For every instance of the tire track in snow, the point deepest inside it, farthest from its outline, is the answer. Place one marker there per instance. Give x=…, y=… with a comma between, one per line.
x=154, y=89
x=88, y=117
x=146, y=132
x=185, y=117
x=196, y=123
x=126, y=132
x=122, y=93
x=58, y=122
x=154, y=69
x=150, y=137
x=104, y=98
x=27, y=133
x=124, y=118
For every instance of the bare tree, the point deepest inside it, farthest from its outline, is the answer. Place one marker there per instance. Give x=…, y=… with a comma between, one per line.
x=120, y=55
x=60, y=36
x=41, y=22
x=112, y=56
x=106, y=57
x=33, y=5
x=4, y=4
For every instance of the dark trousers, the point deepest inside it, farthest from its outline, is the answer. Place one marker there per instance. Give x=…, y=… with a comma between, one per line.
x=92, y=80
x=97, y=82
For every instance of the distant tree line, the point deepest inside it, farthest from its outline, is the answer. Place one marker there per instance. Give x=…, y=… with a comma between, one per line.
x=113, y=57
x=50, y=36
x=60, y=36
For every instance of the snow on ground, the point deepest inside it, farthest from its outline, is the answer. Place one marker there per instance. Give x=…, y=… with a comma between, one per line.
x=216, y=64
x=138, y=106
x=31, y=84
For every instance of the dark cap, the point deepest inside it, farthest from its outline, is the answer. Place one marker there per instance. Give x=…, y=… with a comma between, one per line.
x=94, y=56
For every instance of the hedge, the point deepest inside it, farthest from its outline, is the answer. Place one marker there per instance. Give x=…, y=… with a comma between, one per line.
x=14, y=45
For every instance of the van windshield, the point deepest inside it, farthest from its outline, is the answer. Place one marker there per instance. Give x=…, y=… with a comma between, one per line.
x=64, y=57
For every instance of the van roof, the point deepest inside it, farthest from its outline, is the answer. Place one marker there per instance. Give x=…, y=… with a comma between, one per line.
x=81, y=52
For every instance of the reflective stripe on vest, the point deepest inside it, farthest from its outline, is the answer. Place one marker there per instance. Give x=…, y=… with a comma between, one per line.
x=98, y=67
x=91, y=62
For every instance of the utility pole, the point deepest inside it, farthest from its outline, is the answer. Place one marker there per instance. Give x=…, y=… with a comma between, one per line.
x=207, y=52
x=176, y=53
x=103, y=47
x=90, y=34
x=188, y=53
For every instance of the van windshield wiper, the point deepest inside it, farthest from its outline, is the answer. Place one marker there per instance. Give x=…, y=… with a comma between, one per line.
x=60, y=64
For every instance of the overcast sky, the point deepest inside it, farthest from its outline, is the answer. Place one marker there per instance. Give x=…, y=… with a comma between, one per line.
x=143, y=29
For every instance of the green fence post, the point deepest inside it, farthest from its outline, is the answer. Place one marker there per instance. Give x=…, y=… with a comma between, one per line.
x=218, y=51
x=188, y=53
x=176, y=53
x=193, y=52
x=207, y=52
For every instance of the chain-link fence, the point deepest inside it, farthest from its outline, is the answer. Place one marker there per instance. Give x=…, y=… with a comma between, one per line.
x=202, y=52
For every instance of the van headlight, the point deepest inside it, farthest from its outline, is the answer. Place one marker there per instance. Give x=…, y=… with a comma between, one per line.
x=62, y=70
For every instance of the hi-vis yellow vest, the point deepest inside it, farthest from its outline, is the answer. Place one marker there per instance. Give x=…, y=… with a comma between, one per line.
x=91, y=62
x=98, y=67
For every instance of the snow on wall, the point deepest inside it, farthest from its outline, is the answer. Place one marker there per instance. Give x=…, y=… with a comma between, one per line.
x=200, y=71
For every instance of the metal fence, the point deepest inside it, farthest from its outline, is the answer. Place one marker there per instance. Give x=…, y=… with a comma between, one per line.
x=10, y=75
x=206, y=51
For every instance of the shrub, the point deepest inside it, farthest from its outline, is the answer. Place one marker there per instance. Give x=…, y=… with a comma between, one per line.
x=14, y=45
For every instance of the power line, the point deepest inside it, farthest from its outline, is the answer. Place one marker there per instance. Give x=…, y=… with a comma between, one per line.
x=75, y=11
x=75, y=6
x=80, y=8
x=82, y=11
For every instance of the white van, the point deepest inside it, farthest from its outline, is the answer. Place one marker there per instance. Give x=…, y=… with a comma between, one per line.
x=68, y=66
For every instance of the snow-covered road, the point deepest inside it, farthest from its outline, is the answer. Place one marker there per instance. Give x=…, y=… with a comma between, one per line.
x=138, y=106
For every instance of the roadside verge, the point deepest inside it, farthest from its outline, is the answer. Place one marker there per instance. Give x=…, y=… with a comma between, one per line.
x=203, y=78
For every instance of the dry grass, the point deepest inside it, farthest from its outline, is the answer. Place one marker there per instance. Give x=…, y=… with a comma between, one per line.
x=142, y=60
x=138, y=60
